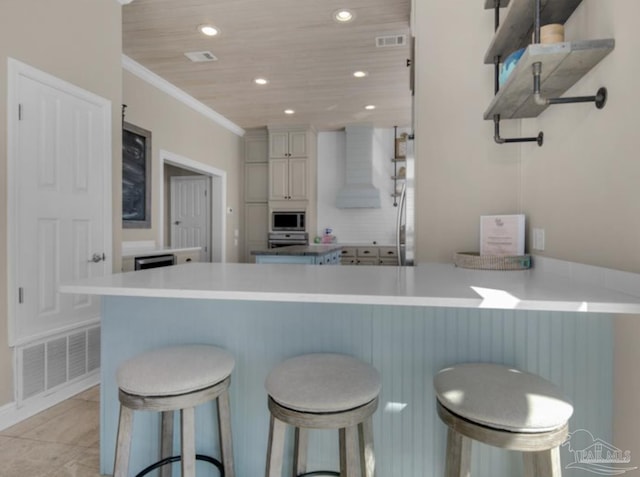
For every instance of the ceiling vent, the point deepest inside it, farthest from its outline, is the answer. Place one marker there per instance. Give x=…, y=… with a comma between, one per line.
x=201, y=56
x=391, y=40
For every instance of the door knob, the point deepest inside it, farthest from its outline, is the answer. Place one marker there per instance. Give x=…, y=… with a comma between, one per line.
x=97, y=258
x=177, y=222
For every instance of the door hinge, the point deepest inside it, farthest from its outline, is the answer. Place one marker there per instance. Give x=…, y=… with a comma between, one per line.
x=20, y=295
x=20, y=112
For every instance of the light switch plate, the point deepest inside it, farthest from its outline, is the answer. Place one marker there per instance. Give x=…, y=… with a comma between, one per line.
x=538, y=239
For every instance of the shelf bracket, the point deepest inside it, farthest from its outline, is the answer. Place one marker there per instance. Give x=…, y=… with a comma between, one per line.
x=600, y=98
x=500, y=140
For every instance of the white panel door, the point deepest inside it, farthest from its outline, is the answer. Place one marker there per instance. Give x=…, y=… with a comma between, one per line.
x=190, y=213
x=62, y=153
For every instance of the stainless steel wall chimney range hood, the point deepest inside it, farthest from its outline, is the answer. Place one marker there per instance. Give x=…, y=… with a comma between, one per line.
x=359, y=191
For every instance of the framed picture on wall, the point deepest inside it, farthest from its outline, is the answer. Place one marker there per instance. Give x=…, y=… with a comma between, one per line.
x=136, y=177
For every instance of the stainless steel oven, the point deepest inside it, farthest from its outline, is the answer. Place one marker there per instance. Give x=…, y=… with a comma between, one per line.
x=288, y=221
x=283, y=239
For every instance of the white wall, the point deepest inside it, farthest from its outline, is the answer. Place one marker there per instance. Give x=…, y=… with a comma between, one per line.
x=63, y=39
x=461, y=173
x=581, y=186
x=356, y=226
x=180, y=130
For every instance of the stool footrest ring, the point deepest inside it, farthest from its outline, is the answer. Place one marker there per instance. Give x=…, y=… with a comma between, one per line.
x=320, y=473
x=178, y=458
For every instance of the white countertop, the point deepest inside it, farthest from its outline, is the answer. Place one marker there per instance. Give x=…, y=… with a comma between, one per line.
x=432, y=284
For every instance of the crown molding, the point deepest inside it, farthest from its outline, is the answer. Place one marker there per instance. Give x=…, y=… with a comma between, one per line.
x=163, y=85
x=124, y=2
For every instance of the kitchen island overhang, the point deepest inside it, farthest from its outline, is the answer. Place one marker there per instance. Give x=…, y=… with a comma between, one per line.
x=407, y=322
x=431, y=285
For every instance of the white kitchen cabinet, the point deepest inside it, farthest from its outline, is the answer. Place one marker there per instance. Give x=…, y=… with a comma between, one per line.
x=256, y=226
x=256, y=146
x=256, y=191
x=288, y=179
x=286, y=144
x=256, y=185
x=188, y=256
x=369, y=255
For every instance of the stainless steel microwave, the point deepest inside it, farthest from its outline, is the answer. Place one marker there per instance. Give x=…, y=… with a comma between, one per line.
x=288, y=221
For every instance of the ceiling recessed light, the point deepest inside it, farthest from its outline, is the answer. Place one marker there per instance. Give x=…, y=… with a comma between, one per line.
x=208, y=30
x=370, y=106
x=343, y=16
x=360, y=74
x=289, y=111
x=261, y=81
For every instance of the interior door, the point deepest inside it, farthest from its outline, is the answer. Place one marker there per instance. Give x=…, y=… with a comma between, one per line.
x=190, y=213
x=60, y=169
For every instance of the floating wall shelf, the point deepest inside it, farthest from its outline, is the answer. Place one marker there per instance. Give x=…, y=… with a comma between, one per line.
x=517, y=27
x=563, y=64
x=545, y=71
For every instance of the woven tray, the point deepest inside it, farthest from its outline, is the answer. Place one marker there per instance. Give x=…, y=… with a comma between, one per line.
x=491, y=262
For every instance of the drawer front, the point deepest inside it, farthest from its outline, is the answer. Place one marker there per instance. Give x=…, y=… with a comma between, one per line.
x=367, y=252
x=187, y=257
x=393, y=261
x=348, y=261
x=348, y=251
x=387, y=252
x=367, y=260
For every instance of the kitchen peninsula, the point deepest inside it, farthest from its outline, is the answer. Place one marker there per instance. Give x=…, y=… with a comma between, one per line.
x=409, y=322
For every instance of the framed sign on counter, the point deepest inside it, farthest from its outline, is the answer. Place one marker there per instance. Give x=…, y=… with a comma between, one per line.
x=136, y=177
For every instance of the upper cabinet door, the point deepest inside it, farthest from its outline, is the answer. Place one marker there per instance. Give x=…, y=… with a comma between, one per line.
x=256, y=149
x=298, y=144
x=298, y=179
x=278, y=179
x=278, y=145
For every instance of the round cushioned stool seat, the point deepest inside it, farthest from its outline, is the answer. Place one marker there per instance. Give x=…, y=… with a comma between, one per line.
x=323, y=382
x=175, y=370
x=502, y=398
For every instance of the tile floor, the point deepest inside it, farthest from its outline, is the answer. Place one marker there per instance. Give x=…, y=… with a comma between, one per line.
x=62, y=441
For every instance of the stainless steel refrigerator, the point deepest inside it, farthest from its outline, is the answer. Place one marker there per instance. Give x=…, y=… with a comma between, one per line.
x=405, y=221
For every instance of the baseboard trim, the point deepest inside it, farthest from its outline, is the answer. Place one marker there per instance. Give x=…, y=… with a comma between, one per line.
x=11, y=414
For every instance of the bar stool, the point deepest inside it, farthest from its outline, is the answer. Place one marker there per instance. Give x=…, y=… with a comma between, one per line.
x=171, y=379
x=323, y=391
x=502, y=407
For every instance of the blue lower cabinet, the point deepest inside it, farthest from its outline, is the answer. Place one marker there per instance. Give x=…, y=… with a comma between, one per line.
x=299, y=259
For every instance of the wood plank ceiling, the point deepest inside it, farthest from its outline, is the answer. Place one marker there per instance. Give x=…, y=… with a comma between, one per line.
x=308, y=58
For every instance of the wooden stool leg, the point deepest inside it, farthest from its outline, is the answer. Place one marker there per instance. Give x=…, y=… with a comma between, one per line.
x=543, y=463
x=123, y=444
x=275, y=449
x=349, y=458
x=458, y=455
x=367, y=457
x=224, y=433
x=301, y=442
x=187, y=441
x=166, y=442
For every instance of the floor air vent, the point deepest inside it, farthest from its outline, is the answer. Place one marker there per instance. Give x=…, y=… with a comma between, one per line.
x=57, y=361
x=391, y=40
